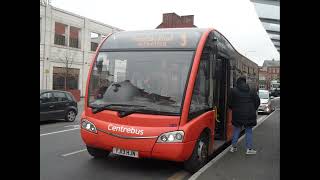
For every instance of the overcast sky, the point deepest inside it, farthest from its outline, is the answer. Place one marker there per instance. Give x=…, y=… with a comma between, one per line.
x=235, y=19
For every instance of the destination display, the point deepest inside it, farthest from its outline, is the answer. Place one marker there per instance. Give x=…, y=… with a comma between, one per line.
x=181, y=38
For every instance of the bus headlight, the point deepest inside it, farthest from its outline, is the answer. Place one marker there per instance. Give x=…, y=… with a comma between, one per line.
x=171, y=137
x=89, y=126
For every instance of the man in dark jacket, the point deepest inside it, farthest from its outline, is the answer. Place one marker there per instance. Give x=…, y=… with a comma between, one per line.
x=243, y=102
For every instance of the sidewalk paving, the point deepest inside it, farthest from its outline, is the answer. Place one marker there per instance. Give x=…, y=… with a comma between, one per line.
x=265, y=165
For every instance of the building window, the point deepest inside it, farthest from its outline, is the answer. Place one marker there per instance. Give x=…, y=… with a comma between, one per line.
x=94, y=41
x=60, y=34
x=74, y=37
x=59, y=74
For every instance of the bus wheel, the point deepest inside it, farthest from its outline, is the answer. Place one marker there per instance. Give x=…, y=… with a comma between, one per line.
x=199, y=156
x=97, y=153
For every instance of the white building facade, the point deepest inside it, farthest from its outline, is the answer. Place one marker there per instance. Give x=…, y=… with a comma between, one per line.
x=65, y=36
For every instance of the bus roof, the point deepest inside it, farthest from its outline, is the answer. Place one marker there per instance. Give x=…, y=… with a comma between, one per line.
x=172, y=38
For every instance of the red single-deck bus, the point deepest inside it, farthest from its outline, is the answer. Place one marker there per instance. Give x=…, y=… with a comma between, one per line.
x=162, y=94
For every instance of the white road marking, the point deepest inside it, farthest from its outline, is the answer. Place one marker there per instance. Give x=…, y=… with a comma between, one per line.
x=59, y=131
x=75, y=152
x=72, y=126
x=204, y=168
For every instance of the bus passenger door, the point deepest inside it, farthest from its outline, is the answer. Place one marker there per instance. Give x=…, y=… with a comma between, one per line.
x=217, y=96
x=220, y=100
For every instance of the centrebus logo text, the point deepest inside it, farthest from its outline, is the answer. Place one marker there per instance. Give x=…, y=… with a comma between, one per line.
x=124, y=129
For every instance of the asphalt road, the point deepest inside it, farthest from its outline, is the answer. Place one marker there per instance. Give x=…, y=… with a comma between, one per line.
x=63, y=157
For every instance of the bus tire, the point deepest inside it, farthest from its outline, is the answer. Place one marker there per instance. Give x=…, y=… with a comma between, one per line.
x=199, y=156
x=97, y=153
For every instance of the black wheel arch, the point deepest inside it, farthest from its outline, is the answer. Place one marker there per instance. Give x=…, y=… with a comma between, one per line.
x=71, y=108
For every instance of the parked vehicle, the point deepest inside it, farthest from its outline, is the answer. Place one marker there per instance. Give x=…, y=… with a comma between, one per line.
x=57, y=105
x=265, y=102
x=275, y=88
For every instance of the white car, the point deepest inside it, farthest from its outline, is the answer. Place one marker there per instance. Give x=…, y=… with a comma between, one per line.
x=265, y=102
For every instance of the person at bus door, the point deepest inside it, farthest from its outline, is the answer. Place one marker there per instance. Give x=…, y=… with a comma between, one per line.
x=244, y=103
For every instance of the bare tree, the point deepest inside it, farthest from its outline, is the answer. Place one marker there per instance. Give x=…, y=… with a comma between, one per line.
x=67, y=60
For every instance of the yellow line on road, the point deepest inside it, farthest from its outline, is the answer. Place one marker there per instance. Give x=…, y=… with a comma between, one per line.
x=179, y=175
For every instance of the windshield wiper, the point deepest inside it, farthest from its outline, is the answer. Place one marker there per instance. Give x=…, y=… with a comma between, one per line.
x=143, y=110
x=104, y=107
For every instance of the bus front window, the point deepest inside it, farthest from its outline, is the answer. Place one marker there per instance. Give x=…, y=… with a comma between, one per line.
x=152, y=79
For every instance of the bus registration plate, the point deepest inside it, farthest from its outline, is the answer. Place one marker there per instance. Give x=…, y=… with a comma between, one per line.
x=125, y=152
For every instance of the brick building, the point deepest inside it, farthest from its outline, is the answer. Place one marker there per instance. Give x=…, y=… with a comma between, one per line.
x=172, y=20
x=269, y=71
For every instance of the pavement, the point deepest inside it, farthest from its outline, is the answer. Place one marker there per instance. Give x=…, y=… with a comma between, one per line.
x=265, y=165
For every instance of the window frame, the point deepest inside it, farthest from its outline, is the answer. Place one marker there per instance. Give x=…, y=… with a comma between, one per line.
x=49, y=98
x=57, y=92
x=192, y=115
x=65, y=34
x=79, y=37
x=97, y=44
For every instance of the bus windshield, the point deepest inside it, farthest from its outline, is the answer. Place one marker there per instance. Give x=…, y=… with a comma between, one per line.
x=155, y=80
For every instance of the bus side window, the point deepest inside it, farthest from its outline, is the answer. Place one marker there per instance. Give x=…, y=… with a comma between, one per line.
x=200, y=102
